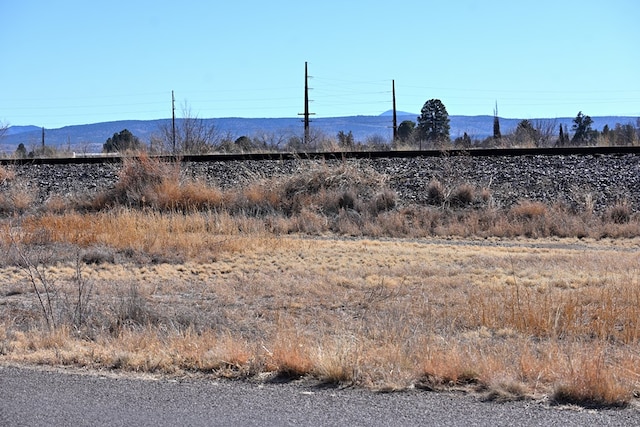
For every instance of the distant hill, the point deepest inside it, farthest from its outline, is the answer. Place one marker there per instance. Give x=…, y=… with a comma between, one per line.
x=15, y=130
x=90, y=137
x=389, y=113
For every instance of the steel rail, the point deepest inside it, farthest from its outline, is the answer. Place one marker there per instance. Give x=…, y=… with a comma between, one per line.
x=333, y=155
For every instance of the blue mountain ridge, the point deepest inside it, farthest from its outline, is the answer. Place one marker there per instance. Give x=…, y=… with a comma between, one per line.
x=90, y=137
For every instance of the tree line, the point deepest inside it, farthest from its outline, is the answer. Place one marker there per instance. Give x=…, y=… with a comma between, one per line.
x=431, y=130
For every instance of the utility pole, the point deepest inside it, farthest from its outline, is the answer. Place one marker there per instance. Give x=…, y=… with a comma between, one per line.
x=173, y=122
x=395, y=117
x=43, y=140
x=306, y=106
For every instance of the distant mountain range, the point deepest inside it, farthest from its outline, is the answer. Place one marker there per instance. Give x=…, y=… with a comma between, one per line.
x=90, y=137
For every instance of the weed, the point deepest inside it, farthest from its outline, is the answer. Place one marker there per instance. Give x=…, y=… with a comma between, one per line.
x=6, y=175
x=620, y=213
x=436, y=192
x=463, y=195
x=591, y=384
x=528, y=210
x=384, y=201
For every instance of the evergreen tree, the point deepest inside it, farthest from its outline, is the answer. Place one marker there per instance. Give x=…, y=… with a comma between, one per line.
x=21, y=151
x=405, y=130
x=346, y=140
x=526, y=133
x=583, y=133
x=244, y=143
x=463, y=141
x=433, y=122
x=496, y=124
x=121, y=141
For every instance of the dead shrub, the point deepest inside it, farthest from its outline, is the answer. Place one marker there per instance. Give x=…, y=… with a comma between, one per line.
x=56, y=204
x=528, y=210
x=392, y=224
x=485, y=195
x=348, y=222
x=98, y=255
x=383, y=201
x=591, y=383
x=290, y=357
x=337, y=362
x=620, y=213
x=6, y=175
x=132, y=310
x=139, y=182
x=331, y=188
x=463, y=195
x=147, y=182
x=260, y=197
x=435, y=192
x=347, y=200
x=22, y=201
x=16, y=200
x=309, y=221
x=6, y=205
x=188, y=196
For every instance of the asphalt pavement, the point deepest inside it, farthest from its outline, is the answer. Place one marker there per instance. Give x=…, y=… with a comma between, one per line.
x=61, y=397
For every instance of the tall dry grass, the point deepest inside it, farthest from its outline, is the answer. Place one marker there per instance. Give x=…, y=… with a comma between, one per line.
x=509, y=321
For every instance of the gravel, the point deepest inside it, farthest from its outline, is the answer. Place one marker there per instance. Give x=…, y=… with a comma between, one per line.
x=600, y=180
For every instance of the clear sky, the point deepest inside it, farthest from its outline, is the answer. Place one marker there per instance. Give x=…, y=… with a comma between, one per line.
x=71, y=62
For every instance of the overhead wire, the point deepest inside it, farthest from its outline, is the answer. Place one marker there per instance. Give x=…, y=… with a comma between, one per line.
x=347, y=95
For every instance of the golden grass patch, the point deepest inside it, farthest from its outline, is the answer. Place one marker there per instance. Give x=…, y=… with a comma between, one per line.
x=517, y=317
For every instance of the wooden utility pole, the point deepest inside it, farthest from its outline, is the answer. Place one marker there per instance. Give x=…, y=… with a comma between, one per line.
x=43, y=140
x=173, y=122
x=395, y=117
x=306, y=106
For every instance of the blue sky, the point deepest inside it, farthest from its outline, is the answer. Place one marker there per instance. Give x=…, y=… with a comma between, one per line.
x=72, y=62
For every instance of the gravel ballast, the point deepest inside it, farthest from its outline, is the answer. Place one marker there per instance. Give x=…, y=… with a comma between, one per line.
x=576, y=181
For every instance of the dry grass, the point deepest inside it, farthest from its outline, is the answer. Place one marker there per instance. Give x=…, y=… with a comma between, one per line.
x=346, y=199
x=6, y=175
x=510, y=320
x=189, y=278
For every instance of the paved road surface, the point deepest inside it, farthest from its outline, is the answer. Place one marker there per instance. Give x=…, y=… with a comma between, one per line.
x=39, y=397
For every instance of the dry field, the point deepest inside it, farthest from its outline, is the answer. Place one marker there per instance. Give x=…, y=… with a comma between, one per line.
x=217, y=292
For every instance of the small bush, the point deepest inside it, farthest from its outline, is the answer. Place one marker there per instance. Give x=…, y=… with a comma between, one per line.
x=384, y=201
x=6, y=175
x=15, y=201
x=98, y=255
x=132, y=310
x=485, y=195
x=435, y=192
x=56, y=204
x=463, y=195
x=347, y=200
x=599, y=395
x=529, y=210
x=620, y=213
x=139, y=181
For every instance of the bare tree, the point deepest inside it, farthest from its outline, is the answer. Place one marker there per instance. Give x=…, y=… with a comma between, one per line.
x=4, y=127
x=192, y=135
x=273, y=141
x=546, y=130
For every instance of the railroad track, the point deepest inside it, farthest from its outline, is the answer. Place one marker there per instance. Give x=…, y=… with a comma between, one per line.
x=479, y=152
